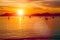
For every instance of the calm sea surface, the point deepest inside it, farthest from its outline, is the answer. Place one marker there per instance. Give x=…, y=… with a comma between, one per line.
x=24, y=27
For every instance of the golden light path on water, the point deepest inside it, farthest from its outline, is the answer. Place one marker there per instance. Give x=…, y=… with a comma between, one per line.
x=20, y=13
x=21, y=19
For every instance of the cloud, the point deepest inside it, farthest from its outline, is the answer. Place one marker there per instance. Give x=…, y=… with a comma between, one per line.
x=46, y=3
x=54, y=4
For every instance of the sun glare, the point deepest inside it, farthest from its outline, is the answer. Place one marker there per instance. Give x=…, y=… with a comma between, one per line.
x=20, y=12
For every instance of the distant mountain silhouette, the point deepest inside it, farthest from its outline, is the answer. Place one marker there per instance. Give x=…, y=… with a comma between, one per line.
x=45, y=14
x=8, y=14
x=35, y=14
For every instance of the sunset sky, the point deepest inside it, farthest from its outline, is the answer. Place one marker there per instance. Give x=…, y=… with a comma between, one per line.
x=31, y=6
x=34, y=26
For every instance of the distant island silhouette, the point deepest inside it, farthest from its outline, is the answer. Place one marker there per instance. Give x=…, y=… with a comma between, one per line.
x=8, y=14
x=35, y=14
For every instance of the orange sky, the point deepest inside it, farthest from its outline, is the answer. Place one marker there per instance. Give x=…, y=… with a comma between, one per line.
x=30, y=6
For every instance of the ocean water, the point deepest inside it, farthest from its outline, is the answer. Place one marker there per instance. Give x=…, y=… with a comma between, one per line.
x=25, y=27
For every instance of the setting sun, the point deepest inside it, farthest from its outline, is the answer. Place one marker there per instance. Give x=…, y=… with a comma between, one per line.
x=20, y=12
